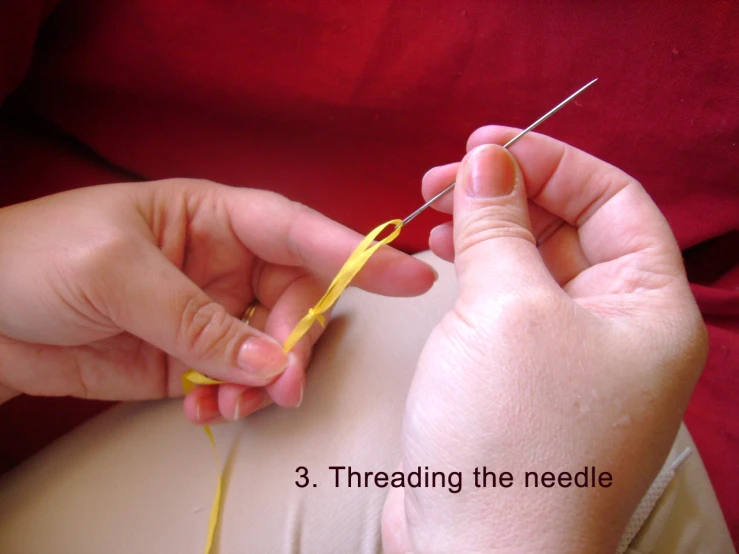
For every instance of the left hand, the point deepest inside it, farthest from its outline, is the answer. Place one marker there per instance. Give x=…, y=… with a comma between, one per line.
x=111, y=292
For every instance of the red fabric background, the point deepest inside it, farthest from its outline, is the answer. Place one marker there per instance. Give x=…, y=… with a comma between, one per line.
x=343, y=105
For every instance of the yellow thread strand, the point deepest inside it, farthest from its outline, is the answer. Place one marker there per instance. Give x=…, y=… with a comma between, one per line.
x=353, y=265
x=215, y=507
x=189, y=379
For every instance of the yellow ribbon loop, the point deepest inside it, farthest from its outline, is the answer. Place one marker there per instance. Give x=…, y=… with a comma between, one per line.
x=353, y=265
x=361, y=255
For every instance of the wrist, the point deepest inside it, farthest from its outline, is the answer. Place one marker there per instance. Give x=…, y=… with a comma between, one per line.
x=521, y=541
x=531, y=524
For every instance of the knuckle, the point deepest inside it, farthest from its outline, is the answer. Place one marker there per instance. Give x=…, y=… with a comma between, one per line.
x=487, y=134
x=652, y=270
x=103, y=250
x=300, y=212
x=88, y=272
x=206, y=329
x=270, y=200
x=527, y=312
x=176, y=187
x=93, y=262
x=195, y=183
x=531, y=311
x=478, y=329
x=493, y=222
x=204, y=183
x=189, y=192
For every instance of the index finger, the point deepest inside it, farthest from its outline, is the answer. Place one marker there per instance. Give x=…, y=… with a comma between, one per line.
x=284, y=232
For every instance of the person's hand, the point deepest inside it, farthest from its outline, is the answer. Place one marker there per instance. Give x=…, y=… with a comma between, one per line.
x=575, y=341
x=112, y=292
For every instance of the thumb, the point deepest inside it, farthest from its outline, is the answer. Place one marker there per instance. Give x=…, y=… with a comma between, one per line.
x=153, y=300
x=494, y=246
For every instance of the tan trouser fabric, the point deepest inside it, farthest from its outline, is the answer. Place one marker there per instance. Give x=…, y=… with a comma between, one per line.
x=140, y=479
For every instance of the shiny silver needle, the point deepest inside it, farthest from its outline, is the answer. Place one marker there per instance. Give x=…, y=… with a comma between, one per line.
x=508, y=144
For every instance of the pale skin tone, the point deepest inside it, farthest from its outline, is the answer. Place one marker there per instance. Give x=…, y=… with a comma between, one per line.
x=112, y=292
x=574, y=341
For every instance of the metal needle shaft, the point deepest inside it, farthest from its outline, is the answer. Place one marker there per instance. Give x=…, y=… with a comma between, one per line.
x=508, y=144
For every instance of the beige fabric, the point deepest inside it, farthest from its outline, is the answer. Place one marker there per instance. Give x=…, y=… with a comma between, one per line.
x=139, y=479
x=687, y=519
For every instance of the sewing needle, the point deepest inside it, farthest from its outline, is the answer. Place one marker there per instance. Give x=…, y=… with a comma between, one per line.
x=508, y=144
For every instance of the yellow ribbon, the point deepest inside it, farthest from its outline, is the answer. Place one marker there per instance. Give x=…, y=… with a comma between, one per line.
x=359, y=257
x=189, y=379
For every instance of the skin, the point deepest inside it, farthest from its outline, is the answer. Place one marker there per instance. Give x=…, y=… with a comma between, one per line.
x=111, y=292
x=575, y=341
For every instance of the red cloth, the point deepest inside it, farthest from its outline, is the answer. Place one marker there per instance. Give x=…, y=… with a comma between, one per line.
x=343, y=105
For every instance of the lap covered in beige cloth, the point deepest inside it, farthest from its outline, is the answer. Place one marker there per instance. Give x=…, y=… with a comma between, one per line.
x=140, y=478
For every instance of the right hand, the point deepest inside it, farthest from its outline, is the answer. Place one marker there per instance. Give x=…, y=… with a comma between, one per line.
x=575, y=341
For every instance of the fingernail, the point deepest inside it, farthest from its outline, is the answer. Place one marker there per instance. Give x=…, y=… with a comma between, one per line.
x=262, y=357
x=247, y=403
x=302, y=391
x=436, y=274
x=207, y=409
x=490, y=171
